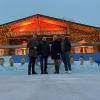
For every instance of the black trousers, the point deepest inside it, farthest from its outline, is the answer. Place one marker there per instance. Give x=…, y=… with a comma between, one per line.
x=57, y=65
x=31, y=65
x=43, y=64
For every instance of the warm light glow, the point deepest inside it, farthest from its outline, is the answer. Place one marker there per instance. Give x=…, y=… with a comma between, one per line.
x=52, y=21
x=20, y=51
x=21, y=30
x=24, y=43
x=26, y=23
x=49, y=21
x=40, y=25
x=82, y=41
x=84, y=49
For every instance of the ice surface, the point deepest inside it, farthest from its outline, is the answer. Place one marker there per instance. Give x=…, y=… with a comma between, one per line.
x=80, y=85
x=75, y=86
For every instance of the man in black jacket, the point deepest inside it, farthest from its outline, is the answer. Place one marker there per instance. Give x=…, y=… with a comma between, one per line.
x=65, y=53
x=33, y=51
x=55, y=53
x=44, y=51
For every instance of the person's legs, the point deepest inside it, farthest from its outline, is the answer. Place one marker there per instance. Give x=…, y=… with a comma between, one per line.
x=41, y=64
x=68, y=61
x=57, y=64
x=29, y=66
x=63, y=56
x=33, y=65
x=45, y=65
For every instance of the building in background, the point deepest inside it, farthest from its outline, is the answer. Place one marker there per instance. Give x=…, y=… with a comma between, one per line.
x=15, y=35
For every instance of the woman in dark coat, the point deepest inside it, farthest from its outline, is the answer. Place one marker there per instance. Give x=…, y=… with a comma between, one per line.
x=55, y=53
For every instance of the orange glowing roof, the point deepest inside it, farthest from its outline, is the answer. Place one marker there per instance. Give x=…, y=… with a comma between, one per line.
x=41, y=24
x=36, y=23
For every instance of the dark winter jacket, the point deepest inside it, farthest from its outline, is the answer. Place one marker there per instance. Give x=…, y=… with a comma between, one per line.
x=33, y=48
x=55, y=49
x=44, y=49
x=66, y=46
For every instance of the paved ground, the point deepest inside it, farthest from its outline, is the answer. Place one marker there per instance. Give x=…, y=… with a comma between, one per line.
x=75, y=86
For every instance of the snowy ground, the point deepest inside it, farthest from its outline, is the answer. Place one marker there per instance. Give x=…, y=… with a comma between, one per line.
x=75, y=86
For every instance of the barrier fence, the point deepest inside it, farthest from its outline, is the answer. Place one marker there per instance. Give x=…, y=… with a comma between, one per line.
x=17, y=52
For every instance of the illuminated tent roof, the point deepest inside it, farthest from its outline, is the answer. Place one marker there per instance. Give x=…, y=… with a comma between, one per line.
x=45, y=25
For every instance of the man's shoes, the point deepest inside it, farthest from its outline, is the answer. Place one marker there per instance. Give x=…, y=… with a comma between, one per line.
x=56, y=72
x=34, y=73
x=46, y=72
x=69, y=72
x=66, y=71
x=41, y=72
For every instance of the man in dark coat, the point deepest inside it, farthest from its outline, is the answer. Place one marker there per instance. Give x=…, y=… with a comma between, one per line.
x=33, y=51
x=55, y=53
x=65, y=53
x=44, y=51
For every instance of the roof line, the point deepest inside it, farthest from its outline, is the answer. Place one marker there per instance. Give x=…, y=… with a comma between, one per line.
x=36, y=15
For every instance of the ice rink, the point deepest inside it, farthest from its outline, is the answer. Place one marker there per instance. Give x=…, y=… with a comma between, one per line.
x=79, y=85
x=75, y=86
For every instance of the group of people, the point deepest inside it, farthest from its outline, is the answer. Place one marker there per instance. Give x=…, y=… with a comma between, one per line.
x=58, y=50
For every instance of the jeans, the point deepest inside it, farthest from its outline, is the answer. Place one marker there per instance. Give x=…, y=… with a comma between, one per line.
x=66, y=60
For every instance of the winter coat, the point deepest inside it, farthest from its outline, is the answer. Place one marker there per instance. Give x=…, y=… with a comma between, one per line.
x=33, y=48
x=66, y=46
x=55, y=49
x=44, y=49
